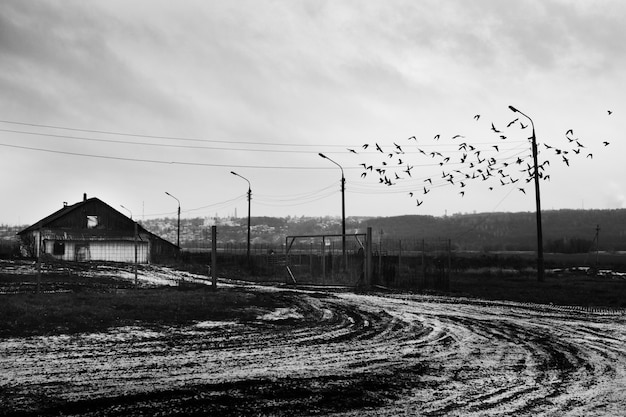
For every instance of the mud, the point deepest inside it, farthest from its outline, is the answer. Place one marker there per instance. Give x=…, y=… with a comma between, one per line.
x=333, y=353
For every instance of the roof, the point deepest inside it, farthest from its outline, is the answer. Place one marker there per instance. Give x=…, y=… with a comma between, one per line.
x=46, y=221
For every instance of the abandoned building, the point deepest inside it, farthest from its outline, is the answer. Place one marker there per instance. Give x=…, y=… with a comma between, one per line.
x=91, y=230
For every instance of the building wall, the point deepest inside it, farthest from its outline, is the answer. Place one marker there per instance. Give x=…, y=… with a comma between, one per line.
x=115, y=251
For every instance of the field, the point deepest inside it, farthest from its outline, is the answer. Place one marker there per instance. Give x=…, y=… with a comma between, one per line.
x=93, y=344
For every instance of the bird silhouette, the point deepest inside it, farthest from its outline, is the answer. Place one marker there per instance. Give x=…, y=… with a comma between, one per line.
x=436, y=137
x=494, y=128
x=419, y=203
x=365, y=146
x=522, y=125
x=476, y=117
x=605, y=143
x=352, y=150
x=522, y=190
x=378, y=148
x=412, y=137
x=609, y=112
x=512, y=122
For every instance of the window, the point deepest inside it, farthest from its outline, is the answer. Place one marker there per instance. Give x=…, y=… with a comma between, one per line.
x=58, y=248
x=92, y=222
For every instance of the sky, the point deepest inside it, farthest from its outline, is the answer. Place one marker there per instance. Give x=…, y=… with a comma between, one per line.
x=128, y=100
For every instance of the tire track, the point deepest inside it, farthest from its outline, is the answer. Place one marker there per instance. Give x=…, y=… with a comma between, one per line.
x=418, y=355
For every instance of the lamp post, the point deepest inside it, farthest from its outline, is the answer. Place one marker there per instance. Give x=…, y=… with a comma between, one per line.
x=178, y=227
x=540, y=267
x=343, y=211
x=249, y=203
x=135, y=239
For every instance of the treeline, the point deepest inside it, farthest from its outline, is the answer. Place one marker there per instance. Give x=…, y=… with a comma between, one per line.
x=564, y=231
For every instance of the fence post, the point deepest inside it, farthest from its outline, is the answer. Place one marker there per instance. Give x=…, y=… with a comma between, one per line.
x=368, y=257
x=214, y=256
x=399, y=259
x=423, y=263
x=323, y=257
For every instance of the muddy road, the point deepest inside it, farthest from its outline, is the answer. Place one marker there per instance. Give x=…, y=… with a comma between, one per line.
x=333, y=353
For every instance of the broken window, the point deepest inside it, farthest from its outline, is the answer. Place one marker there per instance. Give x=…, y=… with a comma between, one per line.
x=58, y=248
x=92, y=222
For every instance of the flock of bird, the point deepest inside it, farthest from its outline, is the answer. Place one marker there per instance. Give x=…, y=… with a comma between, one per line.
x=501, y=162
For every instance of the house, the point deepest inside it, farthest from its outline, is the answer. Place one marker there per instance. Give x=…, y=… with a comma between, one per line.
x=91, y=230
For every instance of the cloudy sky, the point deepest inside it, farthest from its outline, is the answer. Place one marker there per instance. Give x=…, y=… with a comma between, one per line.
x=125, y=100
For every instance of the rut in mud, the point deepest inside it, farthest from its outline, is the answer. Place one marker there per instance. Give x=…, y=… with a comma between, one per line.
x=333, y=353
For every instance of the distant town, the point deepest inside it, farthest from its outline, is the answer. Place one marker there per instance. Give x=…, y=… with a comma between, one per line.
x=564, y=230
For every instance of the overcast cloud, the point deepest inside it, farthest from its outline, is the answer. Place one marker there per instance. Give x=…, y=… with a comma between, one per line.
x=263, y=87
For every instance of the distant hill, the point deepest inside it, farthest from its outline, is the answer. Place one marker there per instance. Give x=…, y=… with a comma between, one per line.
x=563, y=230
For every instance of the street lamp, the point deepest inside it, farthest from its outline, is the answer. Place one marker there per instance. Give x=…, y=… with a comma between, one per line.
x=249, y=200
x=343, y=211
x=178, y=227
x=135, y=239
x=540, y=267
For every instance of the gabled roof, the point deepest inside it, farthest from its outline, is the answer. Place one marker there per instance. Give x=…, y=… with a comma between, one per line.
x=43, y=223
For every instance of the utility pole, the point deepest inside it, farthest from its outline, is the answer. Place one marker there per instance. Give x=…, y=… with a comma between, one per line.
x=540, y=264
x=178, y=226
x=249, y=204
x=343, y=212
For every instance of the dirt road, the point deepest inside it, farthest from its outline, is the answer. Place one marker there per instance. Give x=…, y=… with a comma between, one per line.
x=340, y=354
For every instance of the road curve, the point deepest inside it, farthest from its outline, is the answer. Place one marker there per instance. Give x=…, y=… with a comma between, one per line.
x=340, y=354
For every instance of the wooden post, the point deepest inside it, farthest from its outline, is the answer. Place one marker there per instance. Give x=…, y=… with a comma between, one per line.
x=368, y=257
x=399, y=258
x=39, y=251
x=136, y=254
x=214, y=256
x=323, y=259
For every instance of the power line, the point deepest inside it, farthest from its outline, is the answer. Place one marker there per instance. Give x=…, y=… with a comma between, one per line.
x=153, y=161
x=179, y=138
x=161, y=145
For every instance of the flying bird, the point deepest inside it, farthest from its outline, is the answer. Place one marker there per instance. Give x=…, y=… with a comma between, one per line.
x=605, y=143
x=522, y=125
x=412, y=137
x=609, y=112
x=512, y=122
x=436, y=137
x=477, y=117
x=365, y=146
x=522, y=190
x=494, y=128
x=352, y=150
x=419, y=203
x=378, y=148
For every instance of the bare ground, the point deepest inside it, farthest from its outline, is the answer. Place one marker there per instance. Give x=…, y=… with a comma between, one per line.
x=332, y=354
